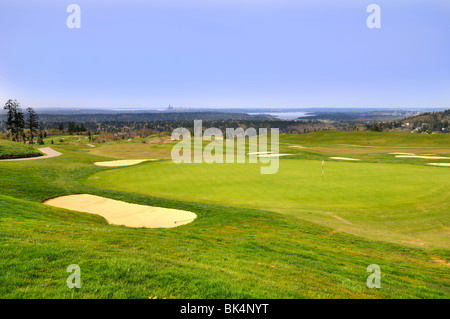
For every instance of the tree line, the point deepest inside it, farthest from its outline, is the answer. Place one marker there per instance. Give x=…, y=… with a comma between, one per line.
x=21, y=127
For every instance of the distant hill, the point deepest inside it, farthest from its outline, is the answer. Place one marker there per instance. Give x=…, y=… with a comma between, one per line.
x=429, y=122
x=426, y=122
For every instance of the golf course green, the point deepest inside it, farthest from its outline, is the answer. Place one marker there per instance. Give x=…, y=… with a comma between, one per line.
x=293, y=234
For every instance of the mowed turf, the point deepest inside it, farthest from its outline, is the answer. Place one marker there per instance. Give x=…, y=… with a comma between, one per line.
x=232, y=250
x=393, y=202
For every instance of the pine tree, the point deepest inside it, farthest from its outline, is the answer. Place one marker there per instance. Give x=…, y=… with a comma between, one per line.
x=40, y=140
x=32, y=123
x=71, y=128
x=18, y=122
x=11, y=107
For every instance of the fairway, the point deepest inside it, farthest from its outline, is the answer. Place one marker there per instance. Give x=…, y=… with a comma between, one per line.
x=395, y=202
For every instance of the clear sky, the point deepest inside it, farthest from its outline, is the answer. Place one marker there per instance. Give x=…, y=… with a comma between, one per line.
x=225, y=53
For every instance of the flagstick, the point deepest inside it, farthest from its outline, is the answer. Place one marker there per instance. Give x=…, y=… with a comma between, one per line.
x=322, y=169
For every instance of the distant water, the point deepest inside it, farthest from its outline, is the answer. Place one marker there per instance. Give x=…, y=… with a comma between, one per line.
x=284, y=115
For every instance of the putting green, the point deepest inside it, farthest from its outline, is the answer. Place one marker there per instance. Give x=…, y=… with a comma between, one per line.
x=396, y=202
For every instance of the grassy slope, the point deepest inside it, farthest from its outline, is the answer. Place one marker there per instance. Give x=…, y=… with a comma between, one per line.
x=10, y=149
x=227, y=252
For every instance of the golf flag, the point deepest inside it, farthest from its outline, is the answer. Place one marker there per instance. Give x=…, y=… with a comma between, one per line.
x=323, y=161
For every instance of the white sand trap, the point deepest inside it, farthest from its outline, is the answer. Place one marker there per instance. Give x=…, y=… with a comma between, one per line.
x=267, y=154
x=440, y=164
x=273, y=155
x=119, y=163
x=297, y=146
x=420, y=156
x=90, y=145
x=402, y=153
x=345, y=158
x=122, y=213
x=258, y=153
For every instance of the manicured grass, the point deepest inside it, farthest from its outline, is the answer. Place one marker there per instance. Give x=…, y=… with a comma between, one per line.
x=9, y=150
x=227, y=252
x=394, y=202
x=368, y=138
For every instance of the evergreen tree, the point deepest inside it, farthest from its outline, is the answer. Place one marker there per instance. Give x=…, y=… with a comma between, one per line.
x=15, y=121
x=71, y=128
x=18, y=122
x=32, y=123
x=10, y=106
x=40, y=139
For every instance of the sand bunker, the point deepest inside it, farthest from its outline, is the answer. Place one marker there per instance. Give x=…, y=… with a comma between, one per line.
x=119, y=163
x=345, y=158
x=402, y=153
x=420, y=156
x=266, y=154
x=273, y=155
x=258, y=153
x=122, y=213
x=439, y=164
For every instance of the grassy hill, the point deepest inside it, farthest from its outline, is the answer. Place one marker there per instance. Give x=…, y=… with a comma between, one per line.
x=232, y=250
x=9, y=150
x=429, y=122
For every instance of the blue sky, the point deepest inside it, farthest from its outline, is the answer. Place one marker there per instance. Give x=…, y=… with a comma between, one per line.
x=235, y=53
